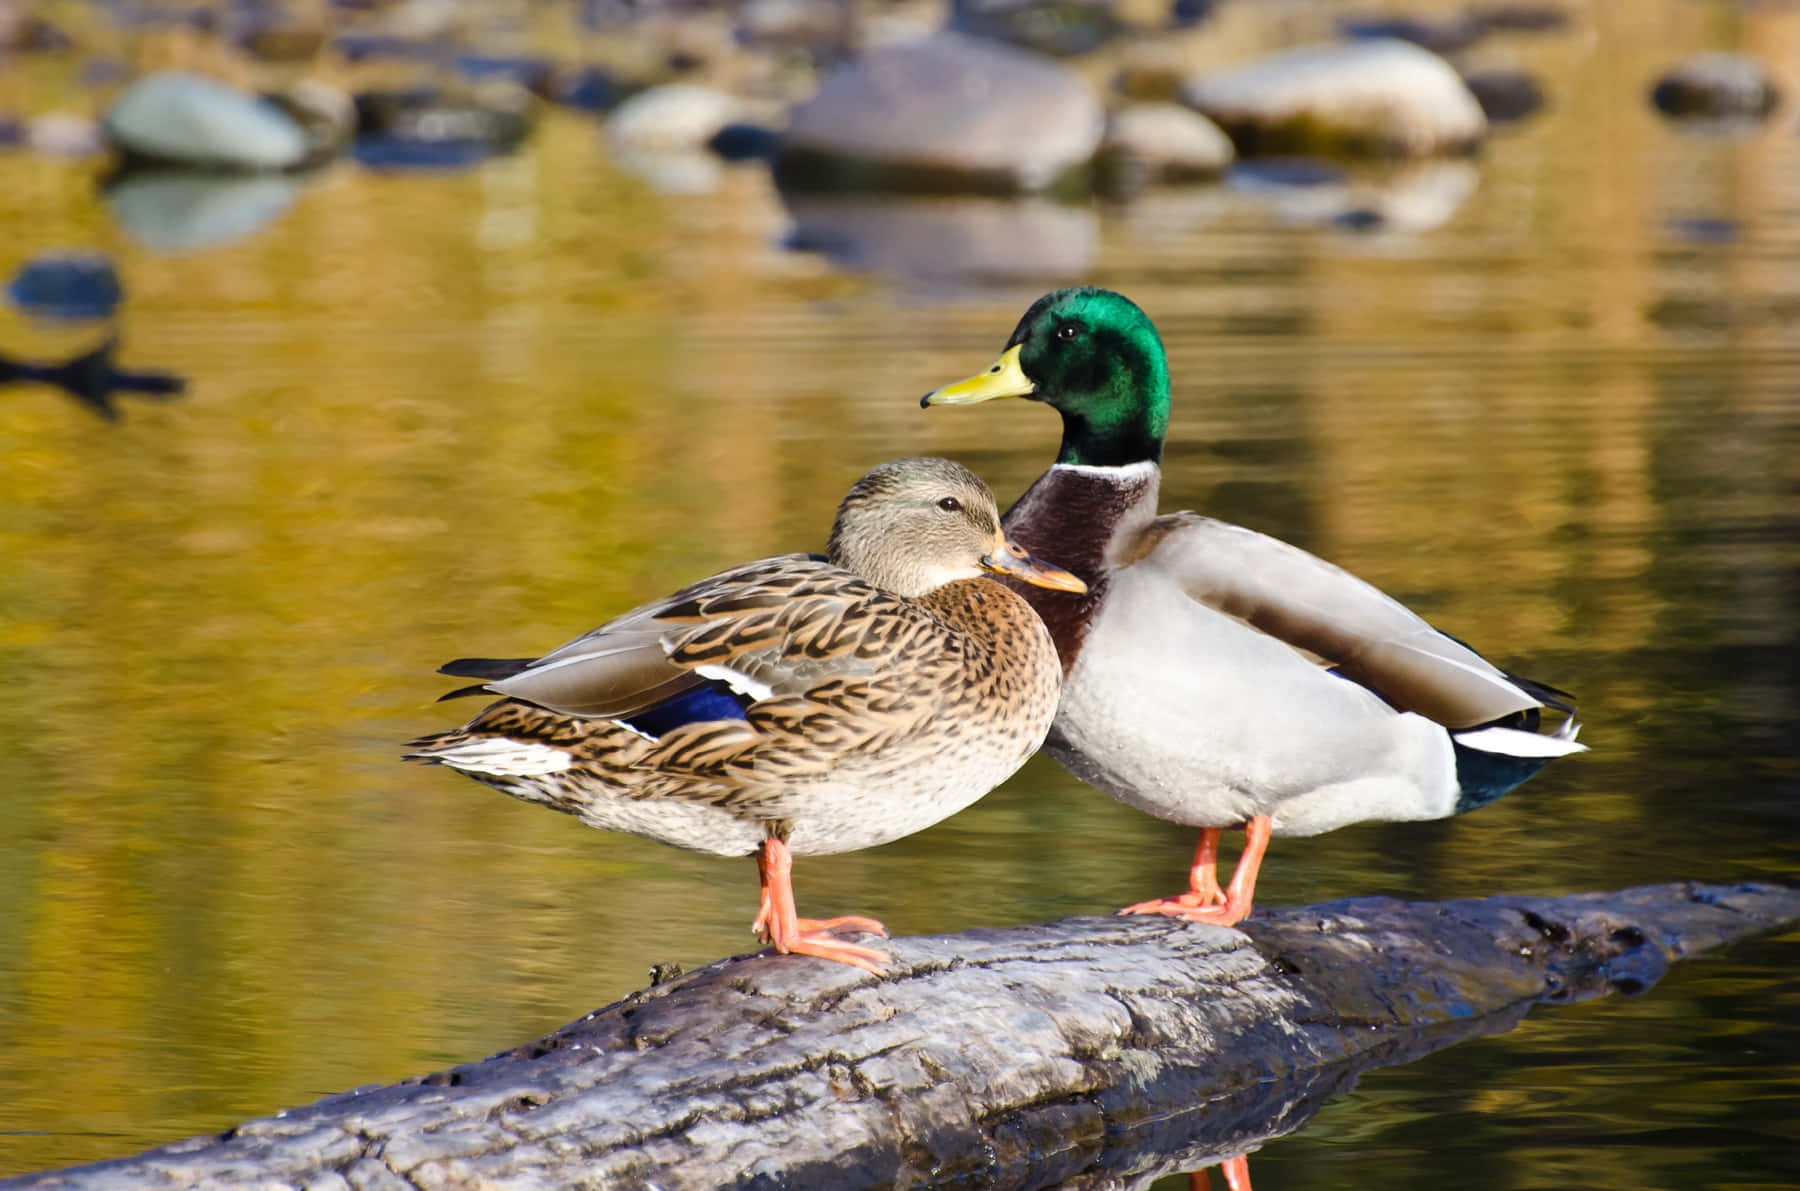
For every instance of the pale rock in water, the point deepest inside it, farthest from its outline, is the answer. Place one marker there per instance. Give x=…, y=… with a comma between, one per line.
x=189, y=120
x=944, y=113
x=1379, y=98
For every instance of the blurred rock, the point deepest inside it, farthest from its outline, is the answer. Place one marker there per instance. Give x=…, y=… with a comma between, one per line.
x=12, y=132
x=1149, y=143
x=1365, y=98
x=172, y=210
x=276, y=32
x=325, y=115
x=948, y=239
x=673, y=118
x=440, y=127
x=1716, y=86
x=824, y=28
x=1447, y=34
x=65, y=134
x=533, y=74
x=379, y=47
x=1521, y=18
x=589, y=88
x=943, y=113
x=66, y=285
x=1061, y=28
x=1505, y=96
x=184, y=119
x=672, y=171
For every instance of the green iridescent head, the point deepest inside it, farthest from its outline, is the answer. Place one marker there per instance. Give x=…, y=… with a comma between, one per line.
x=1095, y=357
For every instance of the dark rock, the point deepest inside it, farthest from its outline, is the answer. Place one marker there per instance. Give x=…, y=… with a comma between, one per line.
x=12, y=132
x=1441, y=35
x=533, y=74
x=1060, y=28
x=590, y=89
x=1521, y=18
x=943, y=114
x=66, y=285
x=1382, y=98
x=745, y=142
x=1716, y=86
x=1505, y=96
x=446, y=125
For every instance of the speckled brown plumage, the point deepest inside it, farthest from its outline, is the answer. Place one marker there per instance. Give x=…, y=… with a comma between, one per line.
x=881, y=691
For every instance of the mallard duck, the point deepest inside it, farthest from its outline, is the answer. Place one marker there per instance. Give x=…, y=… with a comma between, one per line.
x=792, y=706
x=1217, y=677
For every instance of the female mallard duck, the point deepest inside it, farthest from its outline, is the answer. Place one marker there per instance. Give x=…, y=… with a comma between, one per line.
x=1216, y=677
x=796, y=705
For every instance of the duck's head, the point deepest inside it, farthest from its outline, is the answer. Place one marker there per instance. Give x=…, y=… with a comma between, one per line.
x=912, y=526
x=1097, y=358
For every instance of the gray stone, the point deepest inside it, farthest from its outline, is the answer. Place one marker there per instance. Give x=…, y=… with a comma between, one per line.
x=1162, y=142
x=943, y=113
x=1379, y=98
x=1716, y=86
x=184, y=119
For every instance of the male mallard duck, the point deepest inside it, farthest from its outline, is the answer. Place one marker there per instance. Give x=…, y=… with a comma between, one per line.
x=795, y=705
x=1216, y=677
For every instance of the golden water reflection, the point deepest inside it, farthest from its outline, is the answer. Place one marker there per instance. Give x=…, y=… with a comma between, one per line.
x=478, y=413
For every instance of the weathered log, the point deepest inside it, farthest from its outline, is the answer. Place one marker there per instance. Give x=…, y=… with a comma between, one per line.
x=1075, y=1052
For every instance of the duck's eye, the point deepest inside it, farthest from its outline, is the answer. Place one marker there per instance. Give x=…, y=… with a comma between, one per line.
x=1067, y=331
x=950, y=504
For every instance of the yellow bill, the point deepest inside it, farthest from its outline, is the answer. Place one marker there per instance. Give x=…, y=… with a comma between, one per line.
x=1003, y=378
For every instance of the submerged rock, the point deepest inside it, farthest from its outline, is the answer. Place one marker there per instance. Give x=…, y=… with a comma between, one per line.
x=1148, y=143
x=1061, y=28
x=944, y=113
x=1505, y=96
x=66, y=285
x=1716, y=86
x=1365, y=98
x=184, y=119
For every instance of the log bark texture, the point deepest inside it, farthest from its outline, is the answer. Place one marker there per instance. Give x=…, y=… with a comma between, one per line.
x=1083, y=1052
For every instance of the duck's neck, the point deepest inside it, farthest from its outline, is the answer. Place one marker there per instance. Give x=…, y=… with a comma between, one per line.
x=1081, y=518
x=1089, y=443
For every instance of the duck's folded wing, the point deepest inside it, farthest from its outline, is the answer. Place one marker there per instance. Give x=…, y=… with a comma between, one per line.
x=1338, y=619
x=763, y=627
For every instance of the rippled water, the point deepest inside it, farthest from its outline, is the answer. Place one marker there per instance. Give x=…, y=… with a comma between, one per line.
x=1551, y=402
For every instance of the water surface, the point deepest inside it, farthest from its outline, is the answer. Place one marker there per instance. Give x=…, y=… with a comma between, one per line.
x=479, y=413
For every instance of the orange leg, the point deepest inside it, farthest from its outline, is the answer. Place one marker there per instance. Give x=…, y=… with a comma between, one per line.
x=777, y=922
x=1236, y=1171
x=1203, y=901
